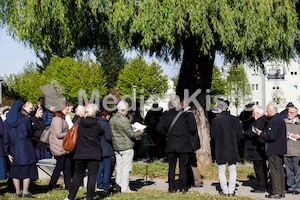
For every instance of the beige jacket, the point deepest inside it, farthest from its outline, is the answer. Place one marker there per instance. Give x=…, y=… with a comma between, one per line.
x=293, y=147
x=59, y=129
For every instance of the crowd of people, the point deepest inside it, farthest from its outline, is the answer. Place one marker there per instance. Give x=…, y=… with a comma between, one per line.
x=271, y=143
x=106, y=142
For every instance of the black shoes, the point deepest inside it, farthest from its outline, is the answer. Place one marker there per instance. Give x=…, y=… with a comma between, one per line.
x=230, y=195
x=257, y=191
x=19, y=195
x=28, y=195
x=274, y=196
x=292, y=192
x=198, y=185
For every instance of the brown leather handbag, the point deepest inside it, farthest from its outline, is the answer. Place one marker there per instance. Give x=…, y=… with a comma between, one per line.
x=69, y=141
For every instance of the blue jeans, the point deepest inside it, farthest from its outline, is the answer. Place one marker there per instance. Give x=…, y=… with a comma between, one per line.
x=104, y=172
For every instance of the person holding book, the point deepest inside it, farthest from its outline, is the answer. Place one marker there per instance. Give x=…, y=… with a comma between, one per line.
x=276, y=147
x=255, y=149
x=292, y=157
x=122, y=141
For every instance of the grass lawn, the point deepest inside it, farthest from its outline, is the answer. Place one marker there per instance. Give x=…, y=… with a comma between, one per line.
x=39, y=191
x=159, y=169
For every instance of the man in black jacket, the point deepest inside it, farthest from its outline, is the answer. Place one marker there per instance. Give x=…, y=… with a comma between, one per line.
x=226, y=130
x=276, y=147
x=255, y=149
x=178, y=143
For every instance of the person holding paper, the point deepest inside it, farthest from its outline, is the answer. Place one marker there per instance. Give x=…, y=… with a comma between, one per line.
x=255, y=149
x=122, y=141
x=276, y=147
x=292, y=157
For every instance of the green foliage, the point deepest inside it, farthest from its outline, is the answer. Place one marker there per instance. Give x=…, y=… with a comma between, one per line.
x=175, y=80
x=149, y=78
x=75, y=75
x=238, y=86
x=25, y=85
x=111, y=61
x=218, y=84
x=62, y=28
x=70, y=74
x=240, y=29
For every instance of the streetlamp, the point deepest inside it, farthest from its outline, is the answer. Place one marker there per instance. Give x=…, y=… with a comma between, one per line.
x=1, y=80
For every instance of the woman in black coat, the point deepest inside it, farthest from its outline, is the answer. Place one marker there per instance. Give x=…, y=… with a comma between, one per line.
x=38, y=126
x=88, y=152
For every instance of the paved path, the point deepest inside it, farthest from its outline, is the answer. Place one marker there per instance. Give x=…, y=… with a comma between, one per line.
x=210, y=187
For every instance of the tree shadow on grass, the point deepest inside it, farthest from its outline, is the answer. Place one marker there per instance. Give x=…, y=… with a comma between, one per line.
x=140, y=183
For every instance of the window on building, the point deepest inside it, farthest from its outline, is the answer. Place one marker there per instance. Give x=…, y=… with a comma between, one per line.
x=294, y=73
x=254, y=72
x=254, y=86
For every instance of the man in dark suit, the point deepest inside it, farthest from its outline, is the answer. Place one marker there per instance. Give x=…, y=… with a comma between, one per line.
x=178, y=142
x=255, y=149
x=226, y=130
x=276, y=147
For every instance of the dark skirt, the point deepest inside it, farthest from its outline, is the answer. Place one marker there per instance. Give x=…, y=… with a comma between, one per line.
x=23, y=171
x=3, y=169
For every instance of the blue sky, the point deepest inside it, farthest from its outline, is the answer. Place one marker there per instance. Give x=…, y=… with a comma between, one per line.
x=14, y=55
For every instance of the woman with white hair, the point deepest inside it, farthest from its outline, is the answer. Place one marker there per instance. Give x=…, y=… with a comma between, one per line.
x=88, y=152
x=79, y=113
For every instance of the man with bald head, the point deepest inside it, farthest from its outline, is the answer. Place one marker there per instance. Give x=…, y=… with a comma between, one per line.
x=276, y=147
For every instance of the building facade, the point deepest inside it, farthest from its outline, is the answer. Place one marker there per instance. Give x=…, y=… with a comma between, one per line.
x=280, y=83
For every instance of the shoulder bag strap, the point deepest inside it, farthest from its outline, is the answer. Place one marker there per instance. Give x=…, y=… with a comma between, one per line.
x=174, y=120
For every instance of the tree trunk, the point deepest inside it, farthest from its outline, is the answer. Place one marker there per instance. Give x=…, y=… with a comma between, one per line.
x=196, y=73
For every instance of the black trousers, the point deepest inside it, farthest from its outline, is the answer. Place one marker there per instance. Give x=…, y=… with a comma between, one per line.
x=80, y=167
x=277, y=174
x=63, y=163
x=260, y=168
x=183, y=161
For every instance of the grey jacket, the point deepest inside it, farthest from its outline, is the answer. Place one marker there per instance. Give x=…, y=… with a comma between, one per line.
x=122, y=133
x=293, y=147
x=58, y=129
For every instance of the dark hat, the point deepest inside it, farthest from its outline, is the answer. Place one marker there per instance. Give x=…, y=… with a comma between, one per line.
x=290, y=104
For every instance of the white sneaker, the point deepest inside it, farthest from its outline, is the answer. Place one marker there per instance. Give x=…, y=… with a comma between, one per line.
x=129, y=191
x=99, y=189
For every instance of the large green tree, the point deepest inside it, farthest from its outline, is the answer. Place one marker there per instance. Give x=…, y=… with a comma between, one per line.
x=148, y=79
x=238, y=87
x=218, y=84
x=188, y=30
x=111, y=61
x=25, y=85
x=60, y=27
x=75, y=75
x=69, y=74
